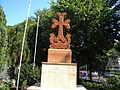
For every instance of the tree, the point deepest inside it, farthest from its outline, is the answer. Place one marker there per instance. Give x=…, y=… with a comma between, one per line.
x=43, y=34
x=117, y=46
x=4, y=51
x=94, y=28
x=15, y=43
x=15, y=34
x=29, y=76
x=2, y=18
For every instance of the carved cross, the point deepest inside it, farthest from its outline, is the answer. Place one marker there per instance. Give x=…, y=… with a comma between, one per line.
x=61, y=24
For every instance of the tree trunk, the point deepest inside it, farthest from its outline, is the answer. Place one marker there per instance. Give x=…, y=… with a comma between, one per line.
x=78, y=80
x=90, y=72
x=90, y=75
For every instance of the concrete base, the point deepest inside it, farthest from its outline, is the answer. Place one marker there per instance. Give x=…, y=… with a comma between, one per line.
x=39, y=88
x=58, y=75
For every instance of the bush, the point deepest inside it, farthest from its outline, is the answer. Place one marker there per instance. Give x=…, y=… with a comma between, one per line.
x=113, y=83
x=28, y=76
x=90, y=85
x=5, y=85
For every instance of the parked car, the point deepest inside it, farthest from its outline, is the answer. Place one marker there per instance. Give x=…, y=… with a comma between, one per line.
x=83, y=74
x=109, y=74
x=94, y=74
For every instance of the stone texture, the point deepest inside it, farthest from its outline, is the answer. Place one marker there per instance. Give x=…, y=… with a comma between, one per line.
x=39, y=88
x=60, y=41
x=58, y=75
x=59, y=55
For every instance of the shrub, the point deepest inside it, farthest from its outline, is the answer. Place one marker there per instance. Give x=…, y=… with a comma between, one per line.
x=89, y=85
x=5, y=85
x=28, y=76
x=113, y=83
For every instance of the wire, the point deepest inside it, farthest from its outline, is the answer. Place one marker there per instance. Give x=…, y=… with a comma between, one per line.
x=23, y=44
x=36, y=42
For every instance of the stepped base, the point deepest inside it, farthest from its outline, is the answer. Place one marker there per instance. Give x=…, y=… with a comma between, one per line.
x=39, y=88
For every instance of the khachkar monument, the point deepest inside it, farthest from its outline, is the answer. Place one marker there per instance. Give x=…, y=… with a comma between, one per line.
x=59, y=73
x=59, y=51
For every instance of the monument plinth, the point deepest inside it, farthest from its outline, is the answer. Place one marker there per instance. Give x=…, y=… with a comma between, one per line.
x=58, y=75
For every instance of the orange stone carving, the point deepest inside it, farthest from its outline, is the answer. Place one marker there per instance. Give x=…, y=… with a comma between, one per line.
x=60, y=42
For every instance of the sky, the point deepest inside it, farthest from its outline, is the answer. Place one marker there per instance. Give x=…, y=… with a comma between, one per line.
x=16, y=10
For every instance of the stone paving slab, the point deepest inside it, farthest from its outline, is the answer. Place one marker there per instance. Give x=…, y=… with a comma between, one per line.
x=39, y=88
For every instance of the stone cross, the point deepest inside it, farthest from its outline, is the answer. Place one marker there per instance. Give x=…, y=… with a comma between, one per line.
x=60, y=41
x=61, y=24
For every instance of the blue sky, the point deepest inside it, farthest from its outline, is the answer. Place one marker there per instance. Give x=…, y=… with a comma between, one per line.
x=16, y=10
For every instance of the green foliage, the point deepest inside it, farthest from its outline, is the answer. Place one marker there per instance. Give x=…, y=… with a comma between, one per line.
x=15, y=35
x=89, y=85
x=5, y=85
x=117, y=46
x=24, y=83
x=4, y=51
x=29, y=76
x=94, y=29
x=2, y=17
x=116, y=73
x=43, y=34
x=113, y=52
x=113, y=83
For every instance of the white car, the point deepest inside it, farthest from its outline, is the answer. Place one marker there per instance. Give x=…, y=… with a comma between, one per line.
x=94, y=74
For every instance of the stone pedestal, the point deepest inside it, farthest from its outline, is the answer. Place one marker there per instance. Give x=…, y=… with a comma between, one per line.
x=59, y=55
x=58, y=75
